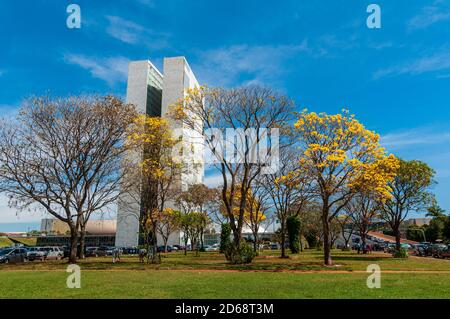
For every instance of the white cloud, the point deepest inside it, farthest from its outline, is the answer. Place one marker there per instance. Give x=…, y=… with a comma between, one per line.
x=111, y=70
x=430, y=15
x=260, y=64
x=123, y=30
x=133, y=33
x=414, y=137
x=435, y=62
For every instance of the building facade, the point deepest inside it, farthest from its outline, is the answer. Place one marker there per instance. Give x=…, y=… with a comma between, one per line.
x=153, y=93
x=54, y=226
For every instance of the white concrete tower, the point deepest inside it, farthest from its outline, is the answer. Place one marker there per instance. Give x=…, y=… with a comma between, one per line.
x=178, y=78
x=144, y=90
x=153, y=94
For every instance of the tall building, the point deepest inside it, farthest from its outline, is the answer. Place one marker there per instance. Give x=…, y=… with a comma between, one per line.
x=153, y=93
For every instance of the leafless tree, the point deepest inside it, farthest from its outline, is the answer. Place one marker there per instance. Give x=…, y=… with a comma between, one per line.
x=347, y=227
x=63, y=155
x=289, y=193
x=363, y=209
x=251, y=112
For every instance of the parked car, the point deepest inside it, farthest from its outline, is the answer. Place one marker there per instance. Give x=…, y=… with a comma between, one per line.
x=34, y=253
x=274, y=246
x=13, y=255
x=130, y=250
x=445, y=253
x=436, y=249
x=90, y=252
x=406, y=246
x=54, y=253
x=103, y=251
x=423, y=250
x=179, y=247
x=213, y=248
x=389, y=247
x=110, y=250
x=161, y=249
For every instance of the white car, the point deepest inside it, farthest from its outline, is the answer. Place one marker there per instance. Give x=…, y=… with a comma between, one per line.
x=54, y=253
x=211, y=248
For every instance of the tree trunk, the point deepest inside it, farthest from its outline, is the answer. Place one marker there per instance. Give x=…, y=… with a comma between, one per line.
x=283, y=241
x=326, y=241
x=237, y=238
x=397, y=237
x=155, y=246
x=82, y=241
x=363, y=242
x=73, y=245
x=165, y=243
x=255, y=242
x=201, y=241
x=346, y=241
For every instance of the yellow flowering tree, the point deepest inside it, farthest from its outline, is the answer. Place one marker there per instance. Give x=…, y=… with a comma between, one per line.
x=156, y=174
x=168, y=221
x=341, y=157
x=254, y=212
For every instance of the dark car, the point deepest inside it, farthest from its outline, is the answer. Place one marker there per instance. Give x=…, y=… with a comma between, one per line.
x=93, y=252
x=130, y=251
x=13, y=255
x=35, y=253
x=179, y=247
x=102, y=251
x=436, y=249
x=422, y=250
x=274, y=246
x=445, y=253
x=162, y=249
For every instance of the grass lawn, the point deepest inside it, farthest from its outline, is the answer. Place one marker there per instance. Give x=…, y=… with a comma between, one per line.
x=210, y=276
x=5, y=242
x=25, y=240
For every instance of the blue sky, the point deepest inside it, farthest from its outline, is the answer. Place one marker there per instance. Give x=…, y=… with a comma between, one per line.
x=395, y=79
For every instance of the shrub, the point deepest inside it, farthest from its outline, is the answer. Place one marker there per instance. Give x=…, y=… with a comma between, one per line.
x=225, y=233
x=293, y=227
x=243, y=254
x=402, y=253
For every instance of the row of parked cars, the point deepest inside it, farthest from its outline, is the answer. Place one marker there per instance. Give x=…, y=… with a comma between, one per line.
x=22, y=254
x=437, y=250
